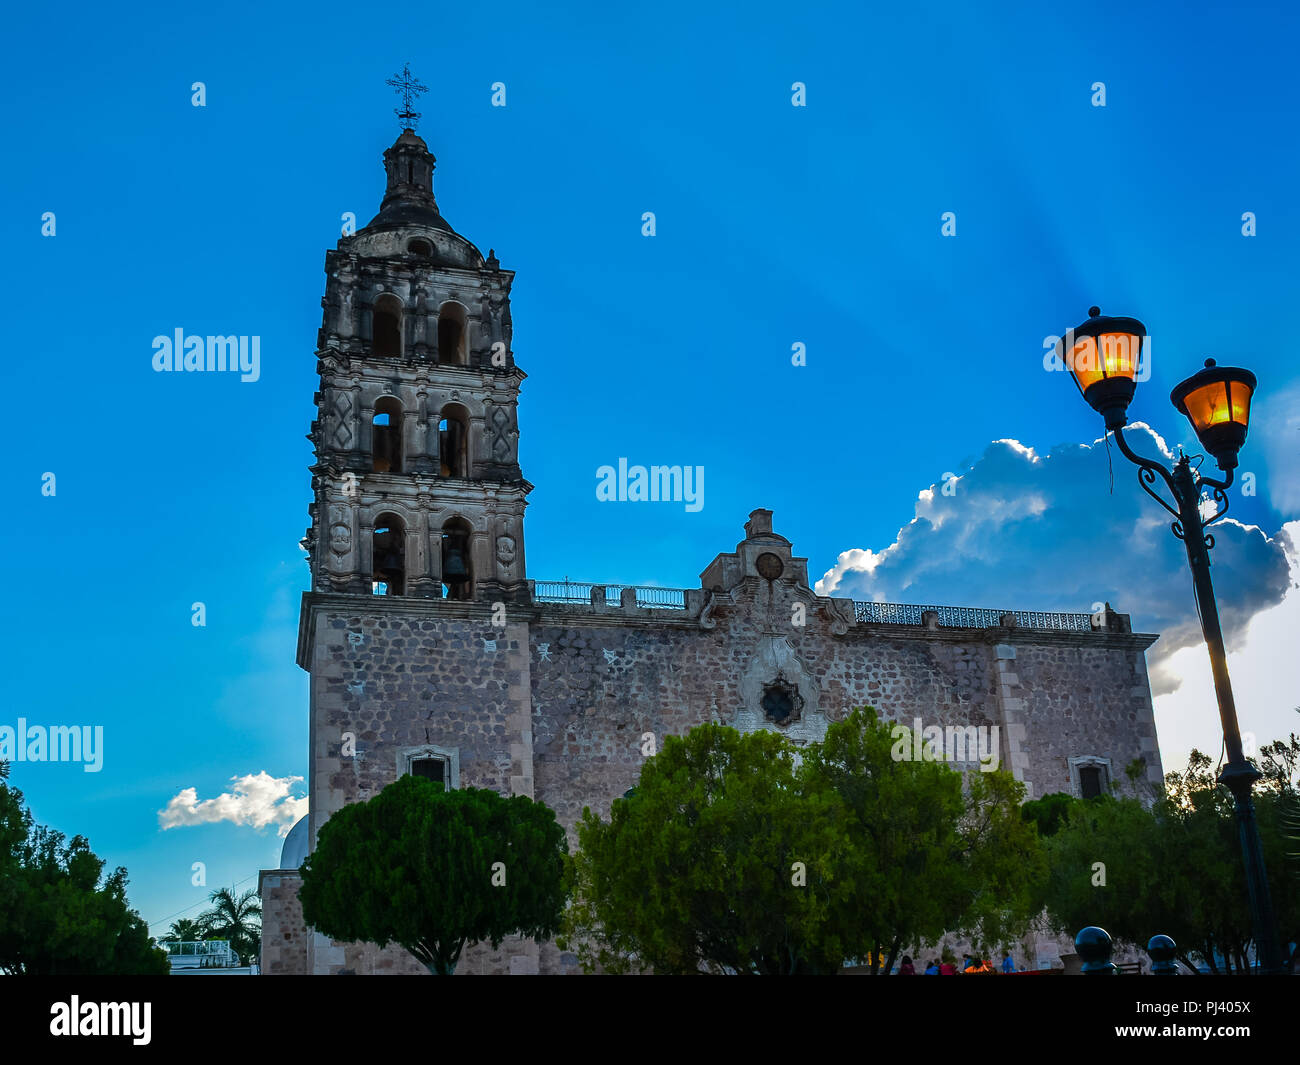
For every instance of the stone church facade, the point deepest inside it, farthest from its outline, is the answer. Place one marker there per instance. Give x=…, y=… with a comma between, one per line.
x=431, y=651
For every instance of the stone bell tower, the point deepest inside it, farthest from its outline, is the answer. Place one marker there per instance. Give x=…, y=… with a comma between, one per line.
x=416, y=484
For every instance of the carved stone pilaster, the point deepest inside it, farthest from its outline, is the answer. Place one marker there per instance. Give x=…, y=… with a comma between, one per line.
x=421, y=579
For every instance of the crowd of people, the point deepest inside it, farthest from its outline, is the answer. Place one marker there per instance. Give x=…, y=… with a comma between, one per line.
x=939, y=967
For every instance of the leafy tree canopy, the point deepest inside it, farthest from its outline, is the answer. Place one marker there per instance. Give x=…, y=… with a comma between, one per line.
x=186, y=930
x=696, y=870
x=1175, y=868
x=418, y=866
x=61, y=916
x=237, y=918
x=1049, y=813
x=932, y=851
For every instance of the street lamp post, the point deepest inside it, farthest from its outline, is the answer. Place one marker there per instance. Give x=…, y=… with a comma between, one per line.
x=1103, y=356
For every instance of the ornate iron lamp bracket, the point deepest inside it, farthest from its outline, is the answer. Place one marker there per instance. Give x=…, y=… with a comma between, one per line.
x=1220, y=497
x=1147, y=471
x=1146, y=478
x=1221, y=502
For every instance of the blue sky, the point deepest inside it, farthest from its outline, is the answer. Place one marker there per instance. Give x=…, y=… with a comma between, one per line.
x=775, y=225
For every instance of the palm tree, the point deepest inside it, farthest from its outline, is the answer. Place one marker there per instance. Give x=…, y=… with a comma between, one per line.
x=186, y=930
x=237, y=918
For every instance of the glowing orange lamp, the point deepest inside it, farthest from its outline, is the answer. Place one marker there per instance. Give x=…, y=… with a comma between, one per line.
x=1103, y=354
x=1216, y=401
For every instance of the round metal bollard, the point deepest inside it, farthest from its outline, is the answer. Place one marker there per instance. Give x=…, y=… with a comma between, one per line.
x=1094, y=947
x=1162, y=950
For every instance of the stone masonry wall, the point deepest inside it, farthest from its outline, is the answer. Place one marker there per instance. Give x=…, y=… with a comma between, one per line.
x=285, y=939
x=598, y=688
x=398, y=683
x=599, y=684
x=1080, y=702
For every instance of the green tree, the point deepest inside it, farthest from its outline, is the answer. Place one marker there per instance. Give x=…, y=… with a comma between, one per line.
x=694, y=871
x=1049, y=813
x=61, y=916
x=186, y=930
x=1002, y=863
x=237, y=918
x=697, y=869
x=1104, y=869
x=15, y=824
x=433, y=870
x=933, y=851
x=1174, y=868
x=901, y=825
x=1279, y=817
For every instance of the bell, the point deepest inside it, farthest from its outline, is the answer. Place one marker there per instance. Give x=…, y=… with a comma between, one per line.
x=454, y=570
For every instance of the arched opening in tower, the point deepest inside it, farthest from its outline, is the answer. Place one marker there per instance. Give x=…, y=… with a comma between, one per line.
x=457, y=569
x=386, y=439
x=451, y=335
x=453, y=442
x=389, y=556
x=387, y=332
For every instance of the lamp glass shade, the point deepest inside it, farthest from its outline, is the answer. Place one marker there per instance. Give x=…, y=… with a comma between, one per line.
x=1103, y=357
x=1217, y=403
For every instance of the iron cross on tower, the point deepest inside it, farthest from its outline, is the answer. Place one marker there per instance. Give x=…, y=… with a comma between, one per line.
x=408, y=87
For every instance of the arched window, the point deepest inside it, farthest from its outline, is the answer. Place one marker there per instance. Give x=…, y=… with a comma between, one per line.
x=387, y=335
x=453, y=441
x=386, y=438
x=451, y=335
x=389, y=556
x=1090, y=781
x=420, y=247
x=457, y=569
x=1090, y=776
x=432, y=762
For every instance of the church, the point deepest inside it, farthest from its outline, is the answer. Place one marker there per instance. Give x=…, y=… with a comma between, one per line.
x=431, y=651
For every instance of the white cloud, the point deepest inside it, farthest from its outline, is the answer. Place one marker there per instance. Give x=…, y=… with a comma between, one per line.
x=856, y=560
x=1027, y=531
x=257, y=799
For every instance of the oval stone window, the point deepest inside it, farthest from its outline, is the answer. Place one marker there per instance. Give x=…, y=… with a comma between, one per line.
x=769, y=566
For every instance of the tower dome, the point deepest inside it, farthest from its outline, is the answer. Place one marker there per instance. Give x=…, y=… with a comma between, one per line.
x=409, y=200
x=294, y=851
x=409, y=220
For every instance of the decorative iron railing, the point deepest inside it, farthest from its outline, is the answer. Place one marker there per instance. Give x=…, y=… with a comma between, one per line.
x=968, y=617
x=662, y=598
x=564, y=591
x=200, y=954
x=579, y=592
